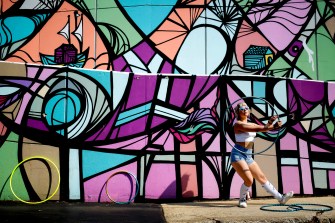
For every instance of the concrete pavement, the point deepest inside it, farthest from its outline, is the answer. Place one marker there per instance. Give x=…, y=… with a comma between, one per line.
x=228, y=211
x=181, y=212
x=63, y=212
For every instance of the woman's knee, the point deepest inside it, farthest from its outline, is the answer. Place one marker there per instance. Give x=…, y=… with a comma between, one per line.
x=248, y=181
x=261, y=178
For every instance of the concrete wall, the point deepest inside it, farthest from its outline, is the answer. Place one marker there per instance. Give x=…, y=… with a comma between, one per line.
x=92, y=88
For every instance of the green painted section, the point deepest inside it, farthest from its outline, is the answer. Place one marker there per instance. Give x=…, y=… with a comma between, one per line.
x=8, y=160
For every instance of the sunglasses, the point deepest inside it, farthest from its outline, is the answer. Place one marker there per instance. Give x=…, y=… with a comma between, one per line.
x=244, y=108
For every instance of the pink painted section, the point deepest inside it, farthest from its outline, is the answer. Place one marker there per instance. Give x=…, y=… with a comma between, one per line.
x=166, y=140
x=229, y=143
x=133, y=144
x=306, y=176
x=189, y=185
x=303, y=149
x=210, y=186
x=209, y=100
x=189, y=147
x=235, y=186
x=35, y=86
x=289, y=142
x=161, y=182
x=318, y=149
x=232, y=96
x=22, y=111
x=331, y=179
x=331, y=92
x=169, y=144
x=215, y=145
x=32, y=71
x=121, y=188
x=291, y=179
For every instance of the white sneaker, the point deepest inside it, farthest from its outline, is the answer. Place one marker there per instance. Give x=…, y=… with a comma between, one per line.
x=242, y=203
x=286, y=197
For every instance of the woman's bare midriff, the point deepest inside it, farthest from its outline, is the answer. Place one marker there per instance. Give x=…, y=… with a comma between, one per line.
x=247, y=145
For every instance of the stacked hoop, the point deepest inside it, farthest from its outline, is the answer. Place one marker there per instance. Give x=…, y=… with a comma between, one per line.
x=137, y=187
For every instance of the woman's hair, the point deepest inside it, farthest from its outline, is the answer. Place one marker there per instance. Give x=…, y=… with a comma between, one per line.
x=237, y=108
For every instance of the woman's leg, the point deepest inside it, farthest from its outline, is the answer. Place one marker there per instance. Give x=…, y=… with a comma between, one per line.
x=242, y=169
x=258, y=174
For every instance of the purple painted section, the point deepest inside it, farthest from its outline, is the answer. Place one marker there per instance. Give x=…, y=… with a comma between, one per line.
x=119, y=64
x=299, y=128
x=103, y=133
x=37, y=124
x=291, y=99
x=157, y=121
x=291, y=179
x=167, y=68
x=161, y=182
x=25, y=83
x=179, y=91
x=322, y=137
x=144, y=51
x=210, y=185
x=306, y=176
x=137, y=93
x=295, y=48
x=134, y=127
x=94, y=186
x=142, y=90
x=201, y=85
x=309, y=90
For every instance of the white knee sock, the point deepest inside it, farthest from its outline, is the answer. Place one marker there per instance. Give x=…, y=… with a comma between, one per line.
x=272, y=190
x=243, y=192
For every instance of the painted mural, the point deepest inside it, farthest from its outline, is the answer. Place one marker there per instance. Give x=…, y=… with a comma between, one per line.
x=93, y=90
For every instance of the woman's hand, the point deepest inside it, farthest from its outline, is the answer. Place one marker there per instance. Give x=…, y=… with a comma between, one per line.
x=272, y=119
x=277, y=125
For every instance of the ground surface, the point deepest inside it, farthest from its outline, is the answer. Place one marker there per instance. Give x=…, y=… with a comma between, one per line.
x=183, y=212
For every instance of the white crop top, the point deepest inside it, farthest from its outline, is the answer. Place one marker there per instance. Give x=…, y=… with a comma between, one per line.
x=245, y=136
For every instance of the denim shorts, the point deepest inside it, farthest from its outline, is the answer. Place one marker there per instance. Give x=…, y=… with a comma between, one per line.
x=240, y=153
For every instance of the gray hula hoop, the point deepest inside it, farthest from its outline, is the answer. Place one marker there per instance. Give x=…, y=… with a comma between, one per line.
x=296, y=207
x=230, y=107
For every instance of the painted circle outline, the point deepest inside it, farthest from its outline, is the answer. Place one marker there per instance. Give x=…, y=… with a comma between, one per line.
x=230, y=107
x=119, y=172
x=24, y=161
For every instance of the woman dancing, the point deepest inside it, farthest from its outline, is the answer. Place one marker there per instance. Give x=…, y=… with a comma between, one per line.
x=241, y=155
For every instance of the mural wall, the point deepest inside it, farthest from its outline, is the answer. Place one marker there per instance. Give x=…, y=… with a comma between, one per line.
x=92, y=88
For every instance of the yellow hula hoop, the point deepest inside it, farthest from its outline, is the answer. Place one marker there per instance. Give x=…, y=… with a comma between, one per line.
x=25, y=160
